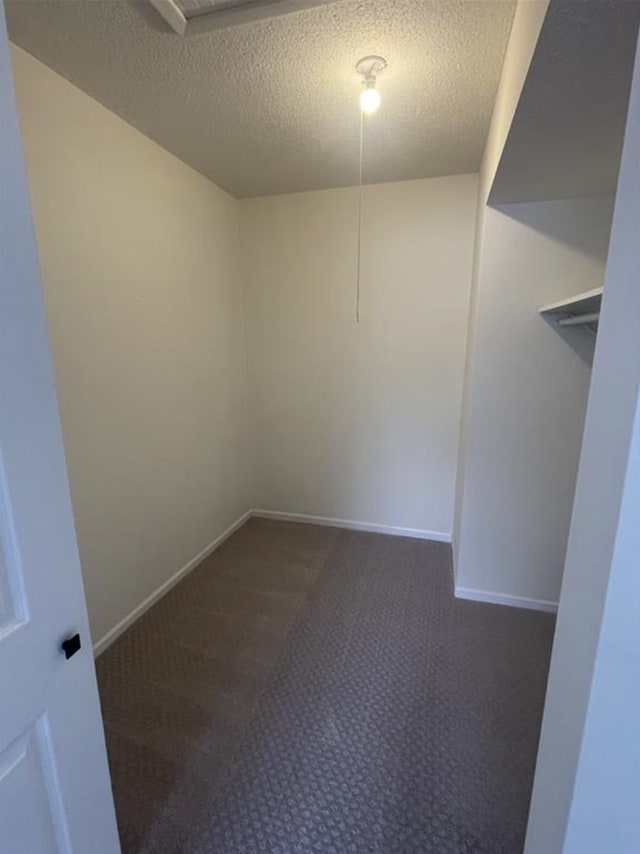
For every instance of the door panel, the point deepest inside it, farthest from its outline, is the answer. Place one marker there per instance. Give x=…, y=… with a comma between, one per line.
x=28, y=809
x=12, y=605
x=55, y=792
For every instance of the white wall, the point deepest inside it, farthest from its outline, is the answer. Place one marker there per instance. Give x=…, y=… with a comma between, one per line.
x=525, y=31
x=138, y=256
x=359, y=421
x=528, y=396
x=605, y=811
x=585, y=795
x=526, y=386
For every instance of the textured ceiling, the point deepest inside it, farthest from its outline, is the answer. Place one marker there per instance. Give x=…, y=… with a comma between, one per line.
x=271, y=106
x=565, y=139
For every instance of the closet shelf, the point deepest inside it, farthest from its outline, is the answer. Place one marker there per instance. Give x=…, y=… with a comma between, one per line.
x=580, y=310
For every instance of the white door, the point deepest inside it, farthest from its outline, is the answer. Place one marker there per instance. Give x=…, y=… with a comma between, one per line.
x=55, y=792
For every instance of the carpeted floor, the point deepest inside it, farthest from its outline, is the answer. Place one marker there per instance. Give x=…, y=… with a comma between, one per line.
x=309, y=689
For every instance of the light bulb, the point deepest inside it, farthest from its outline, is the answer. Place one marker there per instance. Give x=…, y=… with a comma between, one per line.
x=369, y=99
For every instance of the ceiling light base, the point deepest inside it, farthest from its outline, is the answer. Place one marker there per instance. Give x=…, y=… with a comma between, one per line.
x=371, y=66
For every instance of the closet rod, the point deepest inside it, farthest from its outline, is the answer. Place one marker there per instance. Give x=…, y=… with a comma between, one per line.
x=579, y=319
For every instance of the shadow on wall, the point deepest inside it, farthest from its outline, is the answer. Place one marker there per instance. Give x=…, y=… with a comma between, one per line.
x=579, y=338
x=587, y=231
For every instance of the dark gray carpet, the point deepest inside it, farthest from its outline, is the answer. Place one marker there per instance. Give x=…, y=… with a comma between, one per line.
x=314, y=690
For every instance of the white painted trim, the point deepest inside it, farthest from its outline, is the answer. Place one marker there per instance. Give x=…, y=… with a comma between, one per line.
x=172, y=14
x=219, y=18
x=139, y=610
x=572, y=304
x=349, y=524
x=157, y=594
x=505, y=599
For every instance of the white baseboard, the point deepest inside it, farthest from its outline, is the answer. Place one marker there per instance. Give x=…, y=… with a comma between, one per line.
x=504, y=599
x=157, y=594
x=349, y=524
x=139, y=610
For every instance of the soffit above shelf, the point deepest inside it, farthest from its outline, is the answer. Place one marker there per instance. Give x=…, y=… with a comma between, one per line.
x=565, y=140
x=192, y=17
x=580, y=310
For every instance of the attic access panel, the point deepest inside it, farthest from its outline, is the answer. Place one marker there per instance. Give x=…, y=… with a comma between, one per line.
x=190, y=17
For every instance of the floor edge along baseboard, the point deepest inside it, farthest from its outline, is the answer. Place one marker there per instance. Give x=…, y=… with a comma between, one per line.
x=120, y=627
x=491, y=598
x=351, y=525
x=347, y=524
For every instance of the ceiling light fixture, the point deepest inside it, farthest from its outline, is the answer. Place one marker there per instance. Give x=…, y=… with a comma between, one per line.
x=370, y=98
x=370, y=67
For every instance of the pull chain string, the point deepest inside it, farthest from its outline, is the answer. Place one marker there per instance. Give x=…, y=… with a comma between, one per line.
x=359, y=217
